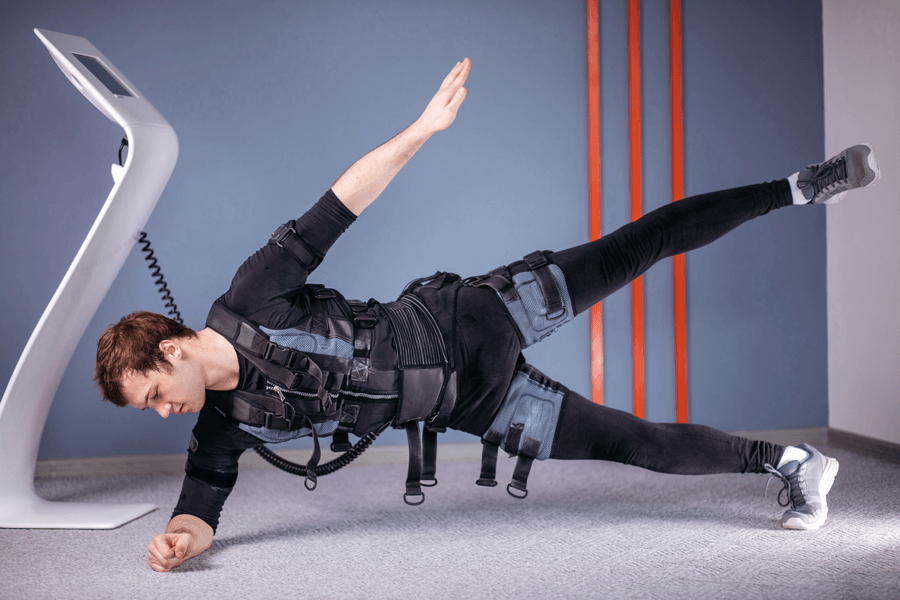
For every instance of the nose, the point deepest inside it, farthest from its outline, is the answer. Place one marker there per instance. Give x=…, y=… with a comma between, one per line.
x=164, y=410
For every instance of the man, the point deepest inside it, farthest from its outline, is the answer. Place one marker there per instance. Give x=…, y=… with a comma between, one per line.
x=447, y=352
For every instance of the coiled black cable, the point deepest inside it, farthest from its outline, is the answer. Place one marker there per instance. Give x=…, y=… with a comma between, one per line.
x=160, y=280
x=267, y=455
x=329, y=467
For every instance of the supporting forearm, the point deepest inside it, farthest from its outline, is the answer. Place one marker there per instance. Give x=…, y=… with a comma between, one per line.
x=362, y=183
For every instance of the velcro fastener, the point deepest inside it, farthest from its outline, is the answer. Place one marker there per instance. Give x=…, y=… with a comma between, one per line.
x=513, y=437
x=286, y=237
x=539, y=265
x=218, y=479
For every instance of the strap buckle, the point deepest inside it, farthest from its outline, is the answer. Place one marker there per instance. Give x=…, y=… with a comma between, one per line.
x=325, y=294
x=361, y=316
x=270, y=417
x=411, y=494
x=536, y=260
x=283, y=233
x=268, y=350
x=364, y=321
x=290, y=421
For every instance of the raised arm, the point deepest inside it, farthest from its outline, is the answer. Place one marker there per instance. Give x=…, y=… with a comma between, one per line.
x=366, y=179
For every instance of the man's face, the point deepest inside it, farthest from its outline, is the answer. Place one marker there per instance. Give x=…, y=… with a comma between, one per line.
x=179, y=391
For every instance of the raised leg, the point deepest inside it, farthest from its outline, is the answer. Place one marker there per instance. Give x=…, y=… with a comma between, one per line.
x=596, y=269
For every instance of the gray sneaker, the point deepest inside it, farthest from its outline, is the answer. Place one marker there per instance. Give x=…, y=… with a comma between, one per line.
x=806, y=483
x=828, y=182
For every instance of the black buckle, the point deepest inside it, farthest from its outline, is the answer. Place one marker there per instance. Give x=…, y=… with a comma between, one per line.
x=287, y=357
x=364, y=320
x=408, y=495
x=269, y=417
x=294, y=360
x=325, y=294
x=501, y=272
x=290, y=422
x=536, y=260
x=509, y=490
x=282, y=233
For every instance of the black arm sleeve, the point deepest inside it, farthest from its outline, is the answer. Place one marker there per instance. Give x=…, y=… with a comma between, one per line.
x=212, y=466
x=275, y=272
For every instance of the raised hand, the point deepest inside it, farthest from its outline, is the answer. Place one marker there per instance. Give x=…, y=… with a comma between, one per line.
x=441, y=111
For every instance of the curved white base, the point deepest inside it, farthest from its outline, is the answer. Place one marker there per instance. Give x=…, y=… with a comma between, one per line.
x=37, y=513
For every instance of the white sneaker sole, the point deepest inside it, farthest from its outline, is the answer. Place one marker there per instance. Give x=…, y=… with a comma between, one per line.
x=831, y=471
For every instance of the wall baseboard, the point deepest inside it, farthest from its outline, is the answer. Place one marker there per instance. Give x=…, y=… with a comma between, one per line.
x=168, y=464
x=815, y=436
x=875, y=448
x=173, y=464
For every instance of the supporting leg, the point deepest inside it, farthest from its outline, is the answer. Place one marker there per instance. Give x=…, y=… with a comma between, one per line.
x=592, y=431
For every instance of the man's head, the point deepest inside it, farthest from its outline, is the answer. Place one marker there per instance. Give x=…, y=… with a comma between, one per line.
x=135, y=353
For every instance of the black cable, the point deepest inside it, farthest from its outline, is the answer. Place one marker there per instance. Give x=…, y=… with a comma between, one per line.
x=122, y=145
x=329, y=467
x=267, y=455
x=160, y=280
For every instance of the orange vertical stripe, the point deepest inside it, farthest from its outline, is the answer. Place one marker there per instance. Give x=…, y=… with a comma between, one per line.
x=681, y=408
x=593, y=79
x=634, y=125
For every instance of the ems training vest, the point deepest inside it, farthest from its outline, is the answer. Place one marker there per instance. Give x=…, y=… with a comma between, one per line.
x=349, y=366
x=353, y=366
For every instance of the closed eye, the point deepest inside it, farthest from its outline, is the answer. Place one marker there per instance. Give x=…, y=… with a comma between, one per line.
x=155, y=394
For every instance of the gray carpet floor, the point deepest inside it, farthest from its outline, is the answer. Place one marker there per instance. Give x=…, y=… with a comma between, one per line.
x=586, y=530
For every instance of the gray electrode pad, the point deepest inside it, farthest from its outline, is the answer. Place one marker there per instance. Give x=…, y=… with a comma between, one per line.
x=534, y=401
x=530, y=310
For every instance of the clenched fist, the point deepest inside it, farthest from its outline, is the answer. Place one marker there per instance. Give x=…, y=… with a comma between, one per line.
x=441, y=111
x=168, y=550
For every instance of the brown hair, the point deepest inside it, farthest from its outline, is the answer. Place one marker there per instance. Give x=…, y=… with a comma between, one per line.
x=133, y=344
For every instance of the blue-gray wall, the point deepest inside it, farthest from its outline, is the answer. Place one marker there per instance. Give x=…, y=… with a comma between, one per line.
x=273, y=101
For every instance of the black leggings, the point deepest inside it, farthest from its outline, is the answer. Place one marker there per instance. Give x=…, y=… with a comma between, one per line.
x=595, y=270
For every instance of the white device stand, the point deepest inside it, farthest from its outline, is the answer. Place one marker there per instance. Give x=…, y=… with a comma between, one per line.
x=152, y=152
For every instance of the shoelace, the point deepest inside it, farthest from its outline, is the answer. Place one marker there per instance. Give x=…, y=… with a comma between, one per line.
x=791, y=486
x=824, y=175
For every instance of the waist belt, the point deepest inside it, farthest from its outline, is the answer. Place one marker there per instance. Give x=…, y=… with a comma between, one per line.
x=427, y=384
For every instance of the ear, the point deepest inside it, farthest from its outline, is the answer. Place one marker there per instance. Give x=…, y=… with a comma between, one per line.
x=170, y=349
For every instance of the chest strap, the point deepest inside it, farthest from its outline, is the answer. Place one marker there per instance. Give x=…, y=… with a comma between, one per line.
x=275, y=361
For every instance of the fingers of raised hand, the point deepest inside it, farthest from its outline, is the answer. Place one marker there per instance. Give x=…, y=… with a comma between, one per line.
x=461, y=69
x=450, y=76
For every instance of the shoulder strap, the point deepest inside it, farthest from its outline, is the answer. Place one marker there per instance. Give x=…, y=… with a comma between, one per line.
x=273, y=360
